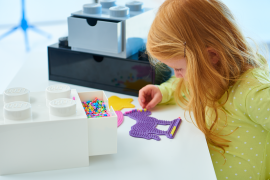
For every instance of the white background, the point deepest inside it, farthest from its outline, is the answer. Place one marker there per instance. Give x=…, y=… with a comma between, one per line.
x=50, y=16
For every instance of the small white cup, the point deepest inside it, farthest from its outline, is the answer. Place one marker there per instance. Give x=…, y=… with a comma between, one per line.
x=18, y=110
x=93, y=8
x=107, y=3
x=119, y=11
x=62, y=107
x=16, y=94
x=135, y=5
x=57, y=91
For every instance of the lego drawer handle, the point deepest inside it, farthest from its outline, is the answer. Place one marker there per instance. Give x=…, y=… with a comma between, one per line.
x=92, y=22
x=98, y=58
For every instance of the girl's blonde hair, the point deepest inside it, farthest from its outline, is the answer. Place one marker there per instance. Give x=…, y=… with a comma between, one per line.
x=202, y=24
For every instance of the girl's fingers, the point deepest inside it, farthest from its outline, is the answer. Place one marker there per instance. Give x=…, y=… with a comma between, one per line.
x=143, y=94
x=141, y=99
x=141, y=104
x=153, y=102
x=148, y=97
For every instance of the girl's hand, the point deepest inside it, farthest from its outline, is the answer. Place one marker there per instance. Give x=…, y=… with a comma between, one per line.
x=149, y=96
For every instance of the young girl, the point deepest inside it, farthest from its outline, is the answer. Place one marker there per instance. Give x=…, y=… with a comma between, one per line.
x=219, y=78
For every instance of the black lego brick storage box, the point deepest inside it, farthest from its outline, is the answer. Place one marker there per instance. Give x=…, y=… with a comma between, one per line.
x=126, y=76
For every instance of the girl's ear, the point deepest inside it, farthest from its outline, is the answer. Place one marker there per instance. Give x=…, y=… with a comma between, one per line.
x=213, y=55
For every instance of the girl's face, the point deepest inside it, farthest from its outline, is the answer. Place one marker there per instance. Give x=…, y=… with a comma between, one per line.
x=179, y=66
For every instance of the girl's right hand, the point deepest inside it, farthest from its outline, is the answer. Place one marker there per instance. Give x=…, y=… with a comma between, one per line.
x=149, y=96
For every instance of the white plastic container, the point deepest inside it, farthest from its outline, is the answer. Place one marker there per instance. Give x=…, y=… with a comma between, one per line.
x=117, y=32
x=102, y=131
x=49, y=141
x=83, y=35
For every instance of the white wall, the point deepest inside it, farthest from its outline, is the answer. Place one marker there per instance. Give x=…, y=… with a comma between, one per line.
x=50, y=16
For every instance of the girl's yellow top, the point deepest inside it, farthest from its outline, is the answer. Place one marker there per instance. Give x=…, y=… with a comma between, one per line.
x=248, y=109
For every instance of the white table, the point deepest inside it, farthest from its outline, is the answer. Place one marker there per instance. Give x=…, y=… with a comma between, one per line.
x=185, y=157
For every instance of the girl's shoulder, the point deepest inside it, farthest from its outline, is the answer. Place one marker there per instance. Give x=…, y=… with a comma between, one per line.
x=260, y=75
x=250, y=96
x=253, y=83
x=253, y=78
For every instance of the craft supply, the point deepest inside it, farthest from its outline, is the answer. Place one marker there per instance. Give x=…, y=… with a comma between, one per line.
x=173, y=130
x=95, y=108
x=119, y=103
x=120, y=118
x=145, y=126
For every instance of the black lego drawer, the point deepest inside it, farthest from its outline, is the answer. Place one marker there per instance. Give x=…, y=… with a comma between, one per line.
x=126, y=76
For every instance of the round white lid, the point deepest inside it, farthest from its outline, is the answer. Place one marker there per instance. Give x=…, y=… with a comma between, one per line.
x=16, y=94
x=119, y=11
x=93, y=8
x=17, y=110
x=134, y=5
x=107, y=3
x=92, y=5
x=62, y=107
x=57, y=91
x=16, y=91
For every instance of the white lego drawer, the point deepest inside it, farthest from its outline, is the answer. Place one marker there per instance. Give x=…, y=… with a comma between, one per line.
x=95, y=35
x=45, y=141
x=102, y=131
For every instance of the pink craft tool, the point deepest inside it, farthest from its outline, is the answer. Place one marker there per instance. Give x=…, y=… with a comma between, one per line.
x=120, y=118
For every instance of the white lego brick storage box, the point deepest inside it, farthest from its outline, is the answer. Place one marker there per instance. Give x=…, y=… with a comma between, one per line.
x=109, y=29
x=49, y=130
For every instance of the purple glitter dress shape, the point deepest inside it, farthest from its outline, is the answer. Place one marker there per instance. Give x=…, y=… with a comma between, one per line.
x=146, y=126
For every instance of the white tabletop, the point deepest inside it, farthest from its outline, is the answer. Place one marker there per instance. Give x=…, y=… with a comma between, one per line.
x=184, y=157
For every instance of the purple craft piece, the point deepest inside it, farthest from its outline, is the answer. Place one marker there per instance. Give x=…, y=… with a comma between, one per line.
x=146, y=126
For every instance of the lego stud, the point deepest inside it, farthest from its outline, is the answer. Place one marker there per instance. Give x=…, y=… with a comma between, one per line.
x=107, y=3
x=57, y=91
x=93, y=8
x=62, y=107
x=16, y=94
x=63, y=41
x=135, y=5
x=119, y=11
x=18, y=110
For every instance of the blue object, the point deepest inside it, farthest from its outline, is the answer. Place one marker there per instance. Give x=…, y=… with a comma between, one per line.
x=25, y=26
x=93, y=8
